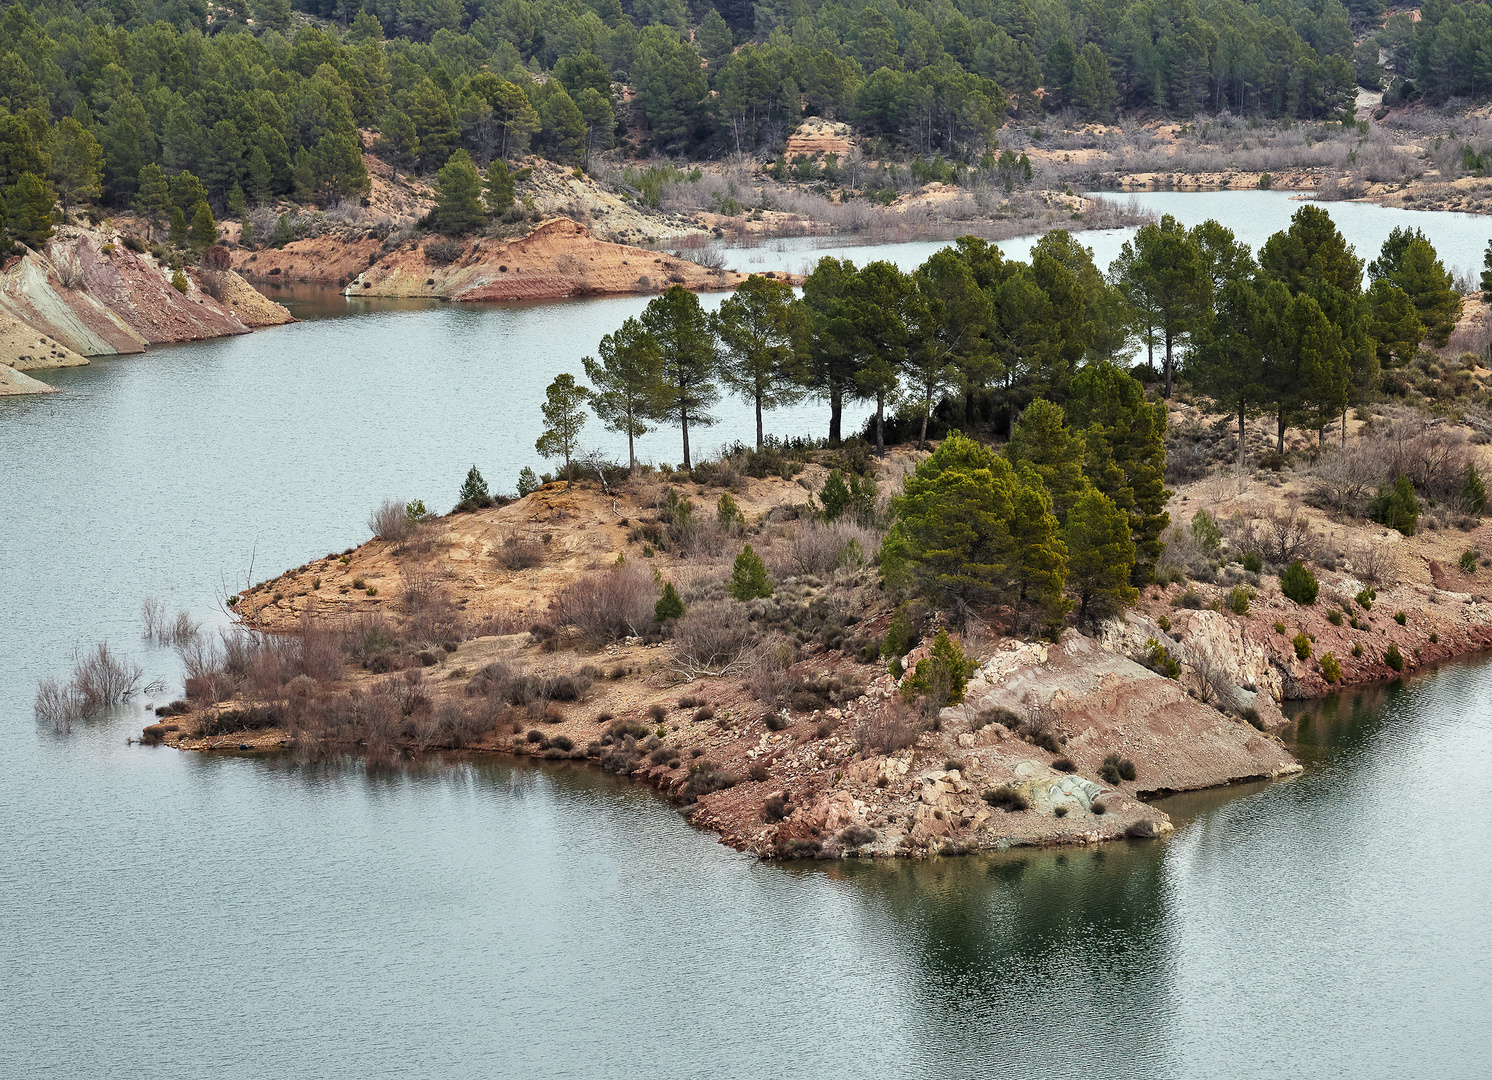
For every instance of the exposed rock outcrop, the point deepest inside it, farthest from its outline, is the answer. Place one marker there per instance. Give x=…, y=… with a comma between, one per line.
x=96, y=297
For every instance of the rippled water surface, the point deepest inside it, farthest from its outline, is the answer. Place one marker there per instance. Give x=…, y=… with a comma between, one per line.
x=167, y=915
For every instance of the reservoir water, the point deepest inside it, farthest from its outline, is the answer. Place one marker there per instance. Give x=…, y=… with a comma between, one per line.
x=168, y=915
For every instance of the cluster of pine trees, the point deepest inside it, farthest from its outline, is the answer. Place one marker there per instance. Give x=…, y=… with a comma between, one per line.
x=257, y=105
x=973, y=338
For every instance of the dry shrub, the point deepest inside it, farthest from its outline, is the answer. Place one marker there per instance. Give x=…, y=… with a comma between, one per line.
x=432, y=617
x=59, y=703
x=320, y=651
x=390, y=522
x=768, y=677
x=1344, y=480
x=609, y=604
x=892, y=728
x=103, y=678
x=819, y=548
x=714, y=637
x=519, y=553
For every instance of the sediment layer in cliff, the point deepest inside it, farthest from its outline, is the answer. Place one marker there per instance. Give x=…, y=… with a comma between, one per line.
x=88, y=294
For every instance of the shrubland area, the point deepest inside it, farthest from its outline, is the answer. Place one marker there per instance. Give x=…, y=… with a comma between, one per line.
x=1036, y=590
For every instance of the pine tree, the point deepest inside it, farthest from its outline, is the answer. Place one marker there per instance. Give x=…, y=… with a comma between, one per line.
x=952, y=540
x=237, y=201
x=1409, y=261
x=748, y=579
x=1162, y=274
x=1042, y=441
x=1125, y=438
x=564, y=416
x=669, y=605
x=758, y=327
x=179, y=227
x=1100, y=556
x=686, y=347
x=1040, y=552
x=338, y=169
x=365, y=28
x=397, y=142
x=77, y=162
x=473, y=494
x=949, y=316
x=204, y=231
x=153, y=198
x=458, y=200
x=260, y=178
x=28, y=210
x=499, y=188
x=628, y=382
x=600, y=121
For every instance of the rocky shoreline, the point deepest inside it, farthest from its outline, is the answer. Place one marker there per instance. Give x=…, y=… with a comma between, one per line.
x=826, y=773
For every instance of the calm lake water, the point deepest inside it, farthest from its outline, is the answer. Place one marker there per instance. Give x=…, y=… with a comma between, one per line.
x=169, y=915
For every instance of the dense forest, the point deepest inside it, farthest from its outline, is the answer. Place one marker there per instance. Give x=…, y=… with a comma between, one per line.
x=263, y=100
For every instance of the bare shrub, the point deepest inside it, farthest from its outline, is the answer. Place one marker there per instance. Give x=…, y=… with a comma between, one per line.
x=153, y=618
x=432, y=617
x=206, y=679
x=320, y=651
x=610, y=604
x=1374, y=563
x=1288, y=537
x=519, y=553
x=1343, y=480
x=714, y=638
x=443, y=252
x=1213, y=683
x=768, y=678
x=890, y=729
x=818, y=548
x=102, y=678
x=58, y=703
x=390, y=521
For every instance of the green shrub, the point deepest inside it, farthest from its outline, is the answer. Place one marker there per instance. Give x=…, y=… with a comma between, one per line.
x=749, y=581
x=1397, y=507
x=1302, y=646
x=1473, y=493
x=1357, y=648
x=900, y=637
x=179, y=282
x=1159, y=659
x=943, y=674
x=1434, y=638
x=1299, y=584
x=1400, y=617
x=1331, y=671
x=1205, y=532
x=1251, y=714
x=1008, y=798
x=728, y=514
x=1239, y=599
x=528, y=483
x=1115, y=769
x=1252, y=563
x=1164, y=623
x=1334, y=617
x=1279, y=628
x=1366, y=597
x=1468, y=562
x=669, y=605
x=1393, y=658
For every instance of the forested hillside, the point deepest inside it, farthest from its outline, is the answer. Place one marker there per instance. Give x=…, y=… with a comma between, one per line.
x=266, y=98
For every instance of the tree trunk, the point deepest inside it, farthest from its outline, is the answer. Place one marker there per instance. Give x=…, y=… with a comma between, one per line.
x=1344, y=425
x=836, y=407
x=969, y=408
x=926, y=412
x=758, y=421
x=1168, y=364
x=684, y=423
x=1242, y=444
x=880, y=423
x=1280, y=442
